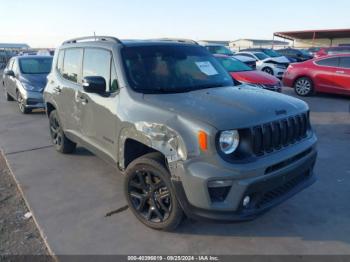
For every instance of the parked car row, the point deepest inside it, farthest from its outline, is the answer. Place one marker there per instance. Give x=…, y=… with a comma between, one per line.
x=189, y=141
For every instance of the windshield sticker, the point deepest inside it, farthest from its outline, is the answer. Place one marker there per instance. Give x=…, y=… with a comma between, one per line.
x=207, y=68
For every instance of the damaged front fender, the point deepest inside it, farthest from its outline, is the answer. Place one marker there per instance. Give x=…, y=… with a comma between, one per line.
x=157, y=136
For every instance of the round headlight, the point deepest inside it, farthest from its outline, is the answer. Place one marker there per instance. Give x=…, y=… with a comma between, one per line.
x=229, y=141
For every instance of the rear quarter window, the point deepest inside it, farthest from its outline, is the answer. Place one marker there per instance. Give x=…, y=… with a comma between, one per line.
x=345, y=62
x=334, y=62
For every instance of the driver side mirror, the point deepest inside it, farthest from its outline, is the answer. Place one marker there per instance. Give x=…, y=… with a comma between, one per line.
x=9, y=73
x=94, y=84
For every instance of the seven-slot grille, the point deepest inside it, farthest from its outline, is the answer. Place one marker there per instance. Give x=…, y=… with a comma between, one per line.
x=275, y=135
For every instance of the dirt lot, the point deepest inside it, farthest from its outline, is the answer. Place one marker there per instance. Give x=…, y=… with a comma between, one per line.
x=18, y=235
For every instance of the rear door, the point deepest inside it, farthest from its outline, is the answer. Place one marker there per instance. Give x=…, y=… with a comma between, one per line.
x=326, y=74
x=344, y=73
x=69, y=67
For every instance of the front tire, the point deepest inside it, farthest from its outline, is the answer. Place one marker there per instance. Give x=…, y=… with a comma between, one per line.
x=303, y=86
x=21, y=104
x=150, y=195
x=61, y=143
x=268, y=70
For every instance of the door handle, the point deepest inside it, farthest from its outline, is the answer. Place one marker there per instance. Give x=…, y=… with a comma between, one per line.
x=83, y=99
x=340, y=72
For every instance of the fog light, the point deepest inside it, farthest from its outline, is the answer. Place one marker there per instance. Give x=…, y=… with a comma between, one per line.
x=246, y=201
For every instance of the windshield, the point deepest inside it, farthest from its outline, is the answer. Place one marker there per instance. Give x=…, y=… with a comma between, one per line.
x=261, y=56
x=35, y=65
x=172, y=68
x=220, y=50
x=271, y=53
x=233, y=65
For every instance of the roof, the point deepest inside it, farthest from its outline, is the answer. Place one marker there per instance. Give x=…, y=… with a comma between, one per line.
x=13, y=46
x=310, y=34
x=263, y=42
x=128, y=42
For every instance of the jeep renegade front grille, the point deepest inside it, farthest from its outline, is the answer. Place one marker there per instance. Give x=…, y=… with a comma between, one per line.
x=273, y=136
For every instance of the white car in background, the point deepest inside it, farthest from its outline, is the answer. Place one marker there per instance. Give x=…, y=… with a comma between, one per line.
x=217, y=49
x=275, y=66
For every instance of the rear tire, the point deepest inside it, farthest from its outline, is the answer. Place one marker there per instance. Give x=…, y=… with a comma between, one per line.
x=303, y=86
x=150, y=194
x=61, y=143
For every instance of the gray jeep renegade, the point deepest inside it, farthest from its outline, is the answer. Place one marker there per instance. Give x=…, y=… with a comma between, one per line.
x=188, y=141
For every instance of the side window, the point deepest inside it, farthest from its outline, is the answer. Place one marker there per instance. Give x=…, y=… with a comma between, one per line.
x=60, y=61
x=114, y=80
x=345, y=62
x=10, y=64
x=334, y=61
x=97, y=62
x=71, y=64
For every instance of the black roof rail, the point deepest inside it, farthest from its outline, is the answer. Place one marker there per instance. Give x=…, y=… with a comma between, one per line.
x=180, y=40
x=94, y=38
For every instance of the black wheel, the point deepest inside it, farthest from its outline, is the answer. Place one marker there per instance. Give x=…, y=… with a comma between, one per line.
x=303, y=86
x=59, y=140
x=268, y=70
x=150, y=195
x=8, y=97
x=21, y=104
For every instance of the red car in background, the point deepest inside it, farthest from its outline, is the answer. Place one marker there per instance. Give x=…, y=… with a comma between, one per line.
x=332, y=51
x=242, y=73
x=329, y=74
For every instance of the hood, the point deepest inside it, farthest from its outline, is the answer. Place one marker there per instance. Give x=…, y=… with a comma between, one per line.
x=255, y=77
x=229, y=107
x=280, y=59
x=38, y=81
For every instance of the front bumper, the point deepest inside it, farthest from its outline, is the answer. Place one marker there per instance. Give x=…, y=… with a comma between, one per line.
x=267, y=190
x=33, y=99
x=279, y=72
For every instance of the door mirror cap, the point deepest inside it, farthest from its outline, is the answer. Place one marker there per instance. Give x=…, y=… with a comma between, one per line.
x=9, y=73
x=94, y=84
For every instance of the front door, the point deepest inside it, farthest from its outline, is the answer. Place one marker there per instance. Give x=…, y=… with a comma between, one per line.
x=98, y=111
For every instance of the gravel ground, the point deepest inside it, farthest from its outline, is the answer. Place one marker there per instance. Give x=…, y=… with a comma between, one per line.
x=18, y=235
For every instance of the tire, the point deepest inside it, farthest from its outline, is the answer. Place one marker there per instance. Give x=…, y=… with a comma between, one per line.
x=61, y=143
x=150, y=194
x=268, y=70
x=8, y=97
x=21, y=105
x=303, y=86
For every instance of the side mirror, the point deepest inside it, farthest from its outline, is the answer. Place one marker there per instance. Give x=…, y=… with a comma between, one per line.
x=94, y=84
x=9, y=73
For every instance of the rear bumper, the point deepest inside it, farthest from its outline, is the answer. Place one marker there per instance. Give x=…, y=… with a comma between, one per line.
x=265, y=192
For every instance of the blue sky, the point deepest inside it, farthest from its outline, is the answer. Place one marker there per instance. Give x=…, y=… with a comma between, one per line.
x=49, y=22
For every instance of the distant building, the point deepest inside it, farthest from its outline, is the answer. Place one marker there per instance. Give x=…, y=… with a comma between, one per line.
x=257, y=43
x=317, y=38
x=215, y=42
x=13, y=46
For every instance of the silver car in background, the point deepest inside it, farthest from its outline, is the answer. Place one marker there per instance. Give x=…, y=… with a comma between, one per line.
x=24, y=80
